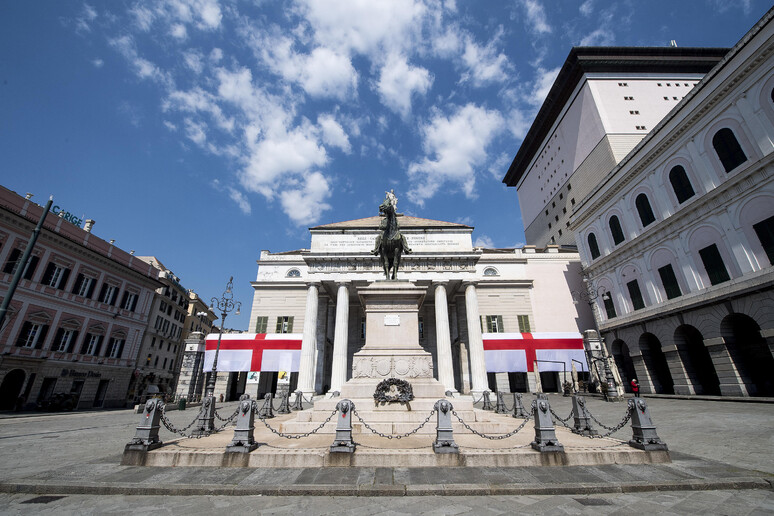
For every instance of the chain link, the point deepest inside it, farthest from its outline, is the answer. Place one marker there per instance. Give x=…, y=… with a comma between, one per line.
x=492, y=437
x=562, y=421
x=171, y=427
x=388, y=436
x=298, y=436
x=229, y=418
x=612, y=429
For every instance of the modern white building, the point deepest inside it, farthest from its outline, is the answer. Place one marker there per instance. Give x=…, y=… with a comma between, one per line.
x=680, y=233
x=603, y=102
x=510, y=309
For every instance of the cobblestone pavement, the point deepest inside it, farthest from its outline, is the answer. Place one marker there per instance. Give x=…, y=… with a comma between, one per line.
x=701, y=502
x=708, y=439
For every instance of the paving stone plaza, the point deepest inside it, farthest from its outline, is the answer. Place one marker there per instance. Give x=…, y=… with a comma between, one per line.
x=721, y=451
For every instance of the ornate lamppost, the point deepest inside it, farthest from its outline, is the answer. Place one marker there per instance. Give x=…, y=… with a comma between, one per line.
x=225, y=304
x=590, y=296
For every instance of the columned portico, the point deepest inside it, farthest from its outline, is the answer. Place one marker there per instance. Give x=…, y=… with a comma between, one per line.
x=476, y=344
x=340, y=338
x=309, y=343
x=443, y=337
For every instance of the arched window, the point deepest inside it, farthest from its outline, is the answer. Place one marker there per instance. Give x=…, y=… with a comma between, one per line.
x=615, y=230
x=490, y=271
x=294, y=273
x=644, y=209
x=728, y=149
x=681, y=184
x=593, y=247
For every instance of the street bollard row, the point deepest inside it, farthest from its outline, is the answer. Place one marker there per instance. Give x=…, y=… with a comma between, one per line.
x=644, y=436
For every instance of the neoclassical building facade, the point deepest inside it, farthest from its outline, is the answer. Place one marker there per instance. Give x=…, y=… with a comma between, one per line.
x=680, y=236
x=491, y=318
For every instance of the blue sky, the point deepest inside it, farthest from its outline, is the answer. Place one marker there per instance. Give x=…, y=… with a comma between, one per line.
x=203, y=131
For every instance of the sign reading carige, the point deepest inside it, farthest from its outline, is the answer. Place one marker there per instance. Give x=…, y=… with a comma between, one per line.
x=69, y=217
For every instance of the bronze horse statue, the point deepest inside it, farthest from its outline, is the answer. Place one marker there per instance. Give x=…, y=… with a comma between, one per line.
x=390, y=243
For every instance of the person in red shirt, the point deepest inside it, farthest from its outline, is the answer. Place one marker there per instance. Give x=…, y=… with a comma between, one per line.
x=636, y=388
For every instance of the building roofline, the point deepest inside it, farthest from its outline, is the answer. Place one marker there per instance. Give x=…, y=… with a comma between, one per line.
x=583, y=60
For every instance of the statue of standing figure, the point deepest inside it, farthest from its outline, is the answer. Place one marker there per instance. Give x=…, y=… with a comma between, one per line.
x=390, y=243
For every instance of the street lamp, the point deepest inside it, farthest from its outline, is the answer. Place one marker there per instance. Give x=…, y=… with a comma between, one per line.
x=205, y=424
x=590, y=296
x=225, y=305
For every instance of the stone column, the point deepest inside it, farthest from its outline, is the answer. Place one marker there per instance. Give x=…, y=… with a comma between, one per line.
x=307, y=368
x=340, y=339
x=476, y=342
x=731, y=383
x=443, y=338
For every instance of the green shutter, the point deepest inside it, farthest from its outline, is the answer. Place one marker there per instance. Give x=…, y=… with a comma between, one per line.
x=290, y=324
x=500, y=327
x=524, y=324
x=481, y=320
x=260, y=324
x=279, y=325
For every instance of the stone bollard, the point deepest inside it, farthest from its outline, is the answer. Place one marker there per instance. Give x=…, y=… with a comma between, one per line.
x=343, y=441
x=205, y=420
x=444, y=436
x=487, y=402
x=244, y=433
x=518, y=407
x=284, y=404
x=147, y=436
x=298, y=404
x=581, y=416
x=267, y=411
x=644, y=435
x=500, y=404
x=545, y=435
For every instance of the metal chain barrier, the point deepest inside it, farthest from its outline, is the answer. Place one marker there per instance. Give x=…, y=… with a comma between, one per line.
x=387, y=436
x=612, y=429
x=492, y=437
x=171, y=427
x=299, y=436
x=562, y=421
x=229, y=418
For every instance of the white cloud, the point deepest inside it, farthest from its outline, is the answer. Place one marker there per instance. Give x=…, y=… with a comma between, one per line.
x=97, y=62
x=240, y=199
x=216, y=55
x=500, y=165
x=369, y=27
x=600, y=37
x=306, y=204
x=587, y=7
x=485, y=65
x=196, y=132
x=169, y=125
x=542, y=85
x=536, y=17
x=194, y=61
x=143, y=68
x=399, y=81
x=178, y=31
x=83, y=22
x=333, y=134
x=198, y=101
x=143, y=17
x=484, y=241
x=455, y=146
x=518, y=123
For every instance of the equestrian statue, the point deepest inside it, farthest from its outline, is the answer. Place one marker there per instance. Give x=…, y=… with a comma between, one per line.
x=390, y=243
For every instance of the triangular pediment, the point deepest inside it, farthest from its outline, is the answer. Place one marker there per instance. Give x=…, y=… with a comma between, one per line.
x=405, y=221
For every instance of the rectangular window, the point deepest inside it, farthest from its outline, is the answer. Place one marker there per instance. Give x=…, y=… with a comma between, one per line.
x=524, y=326
x=129, y=301
x=669, y=280
x=84, y=286
x=363, y=328
x=607, y=299
x=156, y=362
x=765, y=231
x=116, y=347
x=63, y=340
x=494, y=324
x=260, y=324
x=31, y=336
x=164, y=364
x=284, y=324
x=635, y=294
x=55, y=276
x=108, y=294
x=713, y=264
x=421, y=327
x=92, y=344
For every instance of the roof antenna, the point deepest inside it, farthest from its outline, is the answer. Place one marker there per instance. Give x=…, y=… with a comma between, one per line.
x=673, y=43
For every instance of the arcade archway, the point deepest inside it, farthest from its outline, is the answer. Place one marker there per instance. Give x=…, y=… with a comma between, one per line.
x=696, y=360
x=656, y=364
x=750, y=353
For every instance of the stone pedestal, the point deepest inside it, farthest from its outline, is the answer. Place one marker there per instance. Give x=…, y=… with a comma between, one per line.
x=392, y=347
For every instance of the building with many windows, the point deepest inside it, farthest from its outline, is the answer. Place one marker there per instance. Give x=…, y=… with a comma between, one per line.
x=603, y=102
x=680, y=236
x=77, y=318
x=158, y=362
x=508, y=308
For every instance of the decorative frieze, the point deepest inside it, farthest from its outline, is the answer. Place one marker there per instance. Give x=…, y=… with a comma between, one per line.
x=419, y=366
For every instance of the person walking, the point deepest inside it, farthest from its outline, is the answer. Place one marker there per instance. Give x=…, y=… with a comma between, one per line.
x=636, y=388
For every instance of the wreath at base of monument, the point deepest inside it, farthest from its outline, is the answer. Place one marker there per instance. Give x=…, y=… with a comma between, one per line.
x=393, y=389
